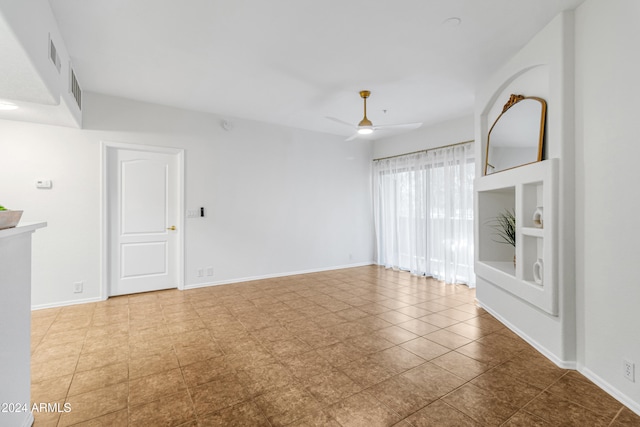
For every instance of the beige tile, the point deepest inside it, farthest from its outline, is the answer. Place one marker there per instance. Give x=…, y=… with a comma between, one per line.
x=434, y=381
x=626, y=418
x=425, y=348
x=394, y=317
x=307, y=365
x=206, y=371
x=558, y=411
x=506, y=388
x=153, y=387
x=463, y=366
x=243, y=414
x=485, y=322
x=222, y=392
x=525, y=419
x=316, y=419
x=102, y=358
x=362, y=409
x=396, y=359
x=439, y=414
x=318, y=338
x=47, y=418
x=259, y=379
x=331, y=386
x=414, y=311
x=52, y=368
x=188, y=354
x=366, y=372
x=395, y=334
x=370, y=344
x=583, y=392
x=490, y=355
x=51, y=389
x=113, y=419
x=286, y=405
x=351, y=314
x=285, y=348
x=418, y=327
x=480, y=405
x=54, y=350
x=142, y=349
x=98, y=378
x=153, y=364
x=502, y=341
x=95, y=403
x=468, y=331
x=401, y=395
x=439, y=320
x=532, y=368
x=347, y=335
x=171, y=410
x=448, y=339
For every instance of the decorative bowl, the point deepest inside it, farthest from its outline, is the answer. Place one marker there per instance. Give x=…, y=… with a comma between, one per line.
x=9, y=219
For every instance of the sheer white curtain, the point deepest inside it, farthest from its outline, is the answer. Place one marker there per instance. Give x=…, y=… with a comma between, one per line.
x=423, y=211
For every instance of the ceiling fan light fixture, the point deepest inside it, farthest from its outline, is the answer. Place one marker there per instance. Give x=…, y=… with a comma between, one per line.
x=365, y=127
x=365, y=130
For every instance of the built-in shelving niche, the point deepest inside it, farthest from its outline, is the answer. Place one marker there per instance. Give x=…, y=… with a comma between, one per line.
x=521, y=190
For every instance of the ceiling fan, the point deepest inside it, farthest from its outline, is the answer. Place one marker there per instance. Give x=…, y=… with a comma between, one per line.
x=365, y=127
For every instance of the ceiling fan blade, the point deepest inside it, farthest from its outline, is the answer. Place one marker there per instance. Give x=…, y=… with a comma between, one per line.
x=406, y=126
x=352, y=137
x=342, y=122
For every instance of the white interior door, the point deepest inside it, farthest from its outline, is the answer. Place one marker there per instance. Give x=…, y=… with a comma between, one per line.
x=143, y=209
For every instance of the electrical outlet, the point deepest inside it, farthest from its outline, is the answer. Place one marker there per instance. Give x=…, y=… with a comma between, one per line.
x=629, y=370
x=209, y=271
x=200, y=272
x=78, y=287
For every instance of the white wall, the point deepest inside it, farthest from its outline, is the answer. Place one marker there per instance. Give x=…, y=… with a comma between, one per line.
x=445, y=133
x=278, y=200
x=608, y=201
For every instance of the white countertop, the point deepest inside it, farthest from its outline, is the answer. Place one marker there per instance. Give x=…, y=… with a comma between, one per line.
x=22, y=227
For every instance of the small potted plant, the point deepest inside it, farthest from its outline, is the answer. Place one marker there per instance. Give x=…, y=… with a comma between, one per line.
x=505, y=229
x=9, y=218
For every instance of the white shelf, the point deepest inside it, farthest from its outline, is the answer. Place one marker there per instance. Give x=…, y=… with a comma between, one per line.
x=532, y=231
x=503, y=266
x=522, y=190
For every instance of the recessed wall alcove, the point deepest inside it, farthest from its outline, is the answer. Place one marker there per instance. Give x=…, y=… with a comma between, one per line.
x=535, y=297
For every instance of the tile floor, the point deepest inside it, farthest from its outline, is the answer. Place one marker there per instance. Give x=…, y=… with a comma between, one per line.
x=355, y=347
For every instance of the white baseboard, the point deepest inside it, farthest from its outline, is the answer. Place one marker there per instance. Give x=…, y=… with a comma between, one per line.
x=617, y=394
x=564, y=364
x=271, y=276
x=65, y=303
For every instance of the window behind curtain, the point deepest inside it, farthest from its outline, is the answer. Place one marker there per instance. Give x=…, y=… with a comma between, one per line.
x=423, y=209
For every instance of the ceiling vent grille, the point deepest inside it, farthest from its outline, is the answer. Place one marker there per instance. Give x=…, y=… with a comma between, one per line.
x=53, y=54
x=75, y=89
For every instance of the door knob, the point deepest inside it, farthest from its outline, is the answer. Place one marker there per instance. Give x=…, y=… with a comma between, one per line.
x=172, y=228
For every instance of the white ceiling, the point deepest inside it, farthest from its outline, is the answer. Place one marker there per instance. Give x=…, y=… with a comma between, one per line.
x=296, y=62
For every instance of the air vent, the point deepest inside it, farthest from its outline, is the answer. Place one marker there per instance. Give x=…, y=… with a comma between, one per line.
x=53, y=54
x=75, y=89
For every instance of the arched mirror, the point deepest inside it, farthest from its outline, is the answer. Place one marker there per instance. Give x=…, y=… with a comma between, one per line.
x=516, y=137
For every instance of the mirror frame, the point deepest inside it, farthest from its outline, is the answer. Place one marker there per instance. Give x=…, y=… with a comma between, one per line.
x=513, y=100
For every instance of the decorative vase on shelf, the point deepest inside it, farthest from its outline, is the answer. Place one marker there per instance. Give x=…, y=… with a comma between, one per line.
x=538, y=269
x=538, y=217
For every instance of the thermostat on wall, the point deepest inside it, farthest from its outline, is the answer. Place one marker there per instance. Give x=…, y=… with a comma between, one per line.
x=46, y=183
